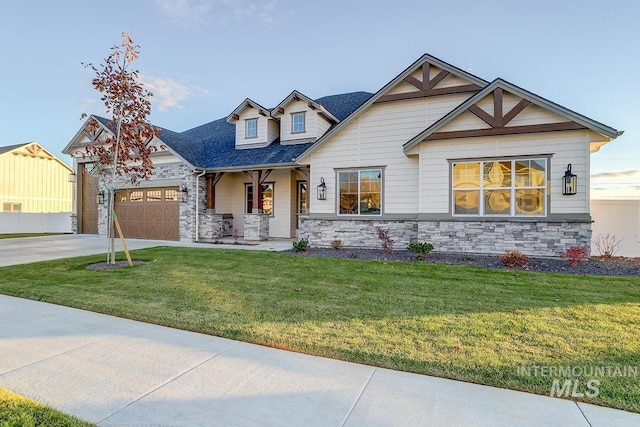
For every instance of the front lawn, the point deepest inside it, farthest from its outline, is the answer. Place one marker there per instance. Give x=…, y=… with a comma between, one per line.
x=468, y=323
x=18, y=411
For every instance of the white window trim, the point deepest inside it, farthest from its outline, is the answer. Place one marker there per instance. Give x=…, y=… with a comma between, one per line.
x=304, y=122
x=359, y=170
x=512, y=188
x=273, y=197
x=246, y=128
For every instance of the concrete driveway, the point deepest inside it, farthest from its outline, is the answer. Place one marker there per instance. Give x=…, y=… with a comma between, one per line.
x=33, y=249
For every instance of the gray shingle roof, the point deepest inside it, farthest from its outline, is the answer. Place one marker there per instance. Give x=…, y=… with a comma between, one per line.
x=8, y=148
x=212, y=145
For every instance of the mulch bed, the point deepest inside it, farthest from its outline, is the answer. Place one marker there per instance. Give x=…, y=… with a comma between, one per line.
x=107, y=266
x=617, y=266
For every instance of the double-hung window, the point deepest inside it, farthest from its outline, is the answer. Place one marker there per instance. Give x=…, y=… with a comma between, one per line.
x=498, y=187
x=360, y=192
x=251, y=128
x=297, y=123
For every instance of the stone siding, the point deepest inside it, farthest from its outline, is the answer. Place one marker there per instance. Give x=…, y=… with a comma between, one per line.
x=215, y=226
x=357, y=233
x=484, y=237
x=256, y=226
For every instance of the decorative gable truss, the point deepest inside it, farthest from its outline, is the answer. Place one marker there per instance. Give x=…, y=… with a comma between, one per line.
x=431, y=80
x=505, y=109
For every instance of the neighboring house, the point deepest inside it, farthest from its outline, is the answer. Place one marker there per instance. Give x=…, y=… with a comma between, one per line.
x=436, y=155
x=33, y=180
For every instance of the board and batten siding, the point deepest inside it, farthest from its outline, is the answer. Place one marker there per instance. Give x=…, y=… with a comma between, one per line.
x=563, y=148
x=375, y=139
x=37, y=184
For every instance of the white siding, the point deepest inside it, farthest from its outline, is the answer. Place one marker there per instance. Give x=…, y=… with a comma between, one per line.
x=273, y=130
x=311, y=122
x=564, y=148
x=376, y=139
x=261, y=140
x=323, y=126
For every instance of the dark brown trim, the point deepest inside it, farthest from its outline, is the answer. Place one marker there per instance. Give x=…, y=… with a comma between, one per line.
x=481, y=114
x=303, y=173
x=515, y=111
x=497, y=108
x=428, y=93
x=438, y=78
x=511, y=130
x=413, y=81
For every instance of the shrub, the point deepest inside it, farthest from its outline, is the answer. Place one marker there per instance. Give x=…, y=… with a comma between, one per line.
x=607, y=245
x=514, y=259
x=336, y=244
x=301, y=245
x=421, y=250
x=385, y=241
x=575, y=254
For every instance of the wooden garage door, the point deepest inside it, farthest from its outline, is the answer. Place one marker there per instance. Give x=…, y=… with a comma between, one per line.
x=150, y=213
x=89, y=218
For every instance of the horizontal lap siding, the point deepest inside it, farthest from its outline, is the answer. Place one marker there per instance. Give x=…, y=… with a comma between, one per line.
x=565, y=147
x=376, y=139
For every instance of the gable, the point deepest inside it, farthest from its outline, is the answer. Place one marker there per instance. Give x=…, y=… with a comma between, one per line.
x=505, y=109
x=431, y=78
x=32, y=150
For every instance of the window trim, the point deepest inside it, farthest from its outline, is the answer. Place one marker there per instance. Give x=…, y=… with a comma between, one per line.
x=512, y=208
x=304, y=122
x=273, y=197
x=359, y=170
x=246, y=128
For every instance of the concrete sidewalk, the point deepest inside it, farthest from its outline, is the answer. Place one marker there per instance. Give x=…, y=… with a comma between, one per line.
x=117, y=372
x=45, y=248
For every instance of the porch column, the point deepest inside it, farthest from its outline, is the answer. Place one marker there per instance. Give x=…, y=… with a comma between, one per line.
x=256, y=223
x=212, y=181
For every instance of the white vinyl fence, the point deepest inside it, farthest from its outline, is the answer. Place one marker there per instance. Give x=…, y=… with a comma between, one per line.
x=619, y=218
x=22, y=222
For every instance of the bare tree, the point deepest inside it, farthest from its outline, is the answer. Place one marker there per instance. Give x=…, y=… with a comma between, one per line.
x=127, y=150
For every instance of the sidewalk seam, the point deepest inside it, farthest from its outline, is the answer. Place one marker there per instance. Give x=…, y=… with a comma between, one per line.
x=346, y=418
x=583, y=414
x=55, y=355
x=170, y=380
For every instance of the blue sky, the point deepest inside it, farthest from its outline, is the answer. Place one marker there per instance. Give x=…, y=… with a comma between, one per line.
x=201, y=58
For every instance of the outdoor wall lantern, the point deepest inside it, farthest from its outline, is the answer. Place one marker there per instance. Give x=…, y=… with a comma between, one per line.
x=322, y=190
x=100, y=197
x=569, y=182
x=72, y=177
x=183, y=193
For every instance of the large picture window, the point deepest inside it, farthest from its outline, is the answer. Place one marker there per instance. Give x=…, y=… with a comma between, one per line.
x=360, y=192
x=500, y=187
x=267, y=198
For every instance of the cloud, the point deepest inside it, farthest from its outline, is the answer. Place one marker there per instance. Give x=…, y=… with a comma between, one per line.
x=198, y=12
x=623, y=174
x=168, y=93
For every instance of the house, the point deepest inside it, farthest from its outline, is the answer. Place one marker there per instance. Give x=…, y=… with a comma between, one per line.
x=33, y=180
x=437, y=155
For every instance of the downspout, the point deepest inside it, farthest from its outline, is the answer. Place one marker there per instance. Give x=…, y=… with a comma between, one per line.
x=195, y=171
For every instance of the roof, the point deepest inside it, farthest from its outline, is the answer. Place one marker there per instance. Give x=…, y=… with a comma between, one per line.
x=247, y=103
x=8, y=148
x=524, y=94
x=297, y=96
x=400, y=77
x=212, y=145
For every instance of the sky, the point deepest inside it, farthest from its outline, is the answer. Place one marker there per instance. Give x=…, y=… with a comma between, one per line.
x=202, y=58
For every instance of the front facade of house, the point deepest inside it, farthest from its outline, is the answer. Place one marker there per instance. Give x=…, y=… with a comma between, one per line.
x=436, y=155
x=33, y=180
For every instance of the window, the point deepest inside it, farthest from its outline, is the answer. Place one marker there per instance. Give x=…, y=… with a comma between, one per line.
x=171, y=195
x=251, y=128
x=297, y=123
x=154, y=195
x=500, y=187
x=303, y=203
x=12, y=207
x=136, y=196
x=267, y=198
x=360, y=192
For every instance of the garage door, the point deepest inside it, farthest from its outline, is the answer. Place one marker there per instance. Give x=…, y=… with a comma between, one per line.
x=150, y=213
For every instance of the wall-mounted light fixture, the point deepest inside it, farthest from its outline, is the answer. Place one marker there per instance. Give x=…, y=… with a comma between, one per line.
x=100, y=197
x=569, y=182
x=183, y=193
x=322, y=190
x=72, y=177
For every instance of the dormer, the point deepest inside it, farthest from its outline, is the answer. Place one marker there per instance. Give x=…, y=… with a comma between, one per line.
x=302, y=119
x=255, y=128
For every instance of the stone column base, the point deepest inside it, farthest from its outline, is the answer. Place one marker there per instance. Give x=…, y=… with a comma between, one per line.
x=256, y=226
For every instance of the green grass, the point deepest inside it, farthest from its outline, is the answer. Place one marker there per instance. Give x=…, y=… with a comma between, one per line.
x=18, y=411
x=459, y=322
x=16, y=235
